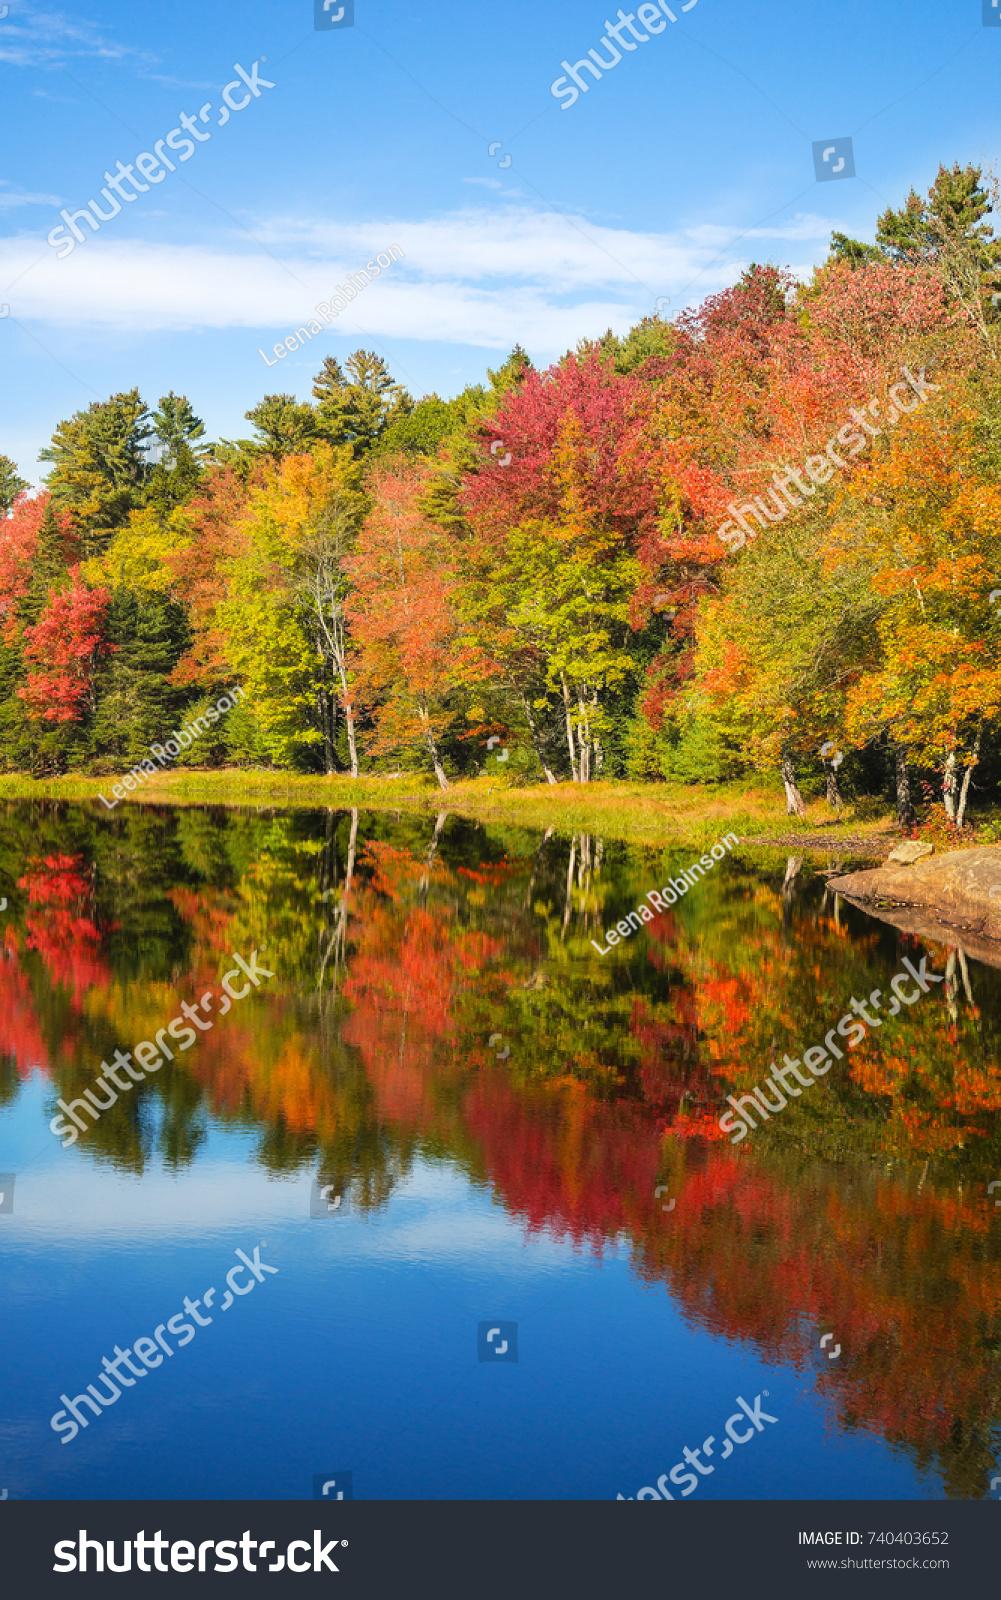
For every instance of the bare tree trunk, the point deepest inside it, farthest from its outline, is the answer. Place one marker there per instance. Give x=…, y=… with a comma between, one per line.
x=429, y=740
x=599, y=754
x=325, y=712
x=570, y=738
x=583, y=742
x=537, y=739
x=950, y=783
x=349, y=719
x=794, y=800
x=905, y=805
x=968, y=774
x=833, y=792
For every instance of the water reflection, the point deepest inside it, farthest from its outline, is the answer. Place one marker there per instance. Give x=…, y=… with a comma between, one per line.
x=437, y=996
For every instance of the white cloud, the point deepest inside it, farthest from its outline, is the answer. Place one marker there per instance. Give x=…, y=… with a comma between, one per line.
x=10, y=199
x=474, y=276
x=32, y=37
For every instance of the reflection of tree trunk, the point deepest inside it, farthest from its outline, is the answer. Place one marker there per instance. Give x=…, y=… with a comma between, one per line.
x=538, y=863
x=439, y=828
x=569, y=898
x=338, y=937
x=570, y=739
x=966, y=976
x=789, y=886
x=905, y=806
x=951, y=986
x=794, y=800
x=788, y=883
x=352, y=841
x=968, y=774
x=431, y=857
x=537, y=739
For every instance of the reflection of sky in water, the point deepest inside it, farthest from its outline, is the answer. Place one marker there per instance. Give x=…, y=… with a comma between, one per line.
x=360, y=1354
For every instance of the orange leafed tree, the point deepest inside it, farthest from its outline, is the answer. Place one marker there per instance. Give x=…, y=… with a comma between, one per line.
x=407, y=659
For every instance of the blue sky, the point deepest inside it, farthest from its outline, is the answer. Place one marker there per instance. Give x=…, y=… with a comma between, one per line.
x=690, y=158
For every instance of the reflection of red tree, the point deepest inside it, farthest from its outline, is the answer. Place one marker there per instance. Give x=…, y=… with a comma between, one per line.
x=406, y=972
x=20, y=1035
x=562, y=1160
x=61, y=927
x=209, y=914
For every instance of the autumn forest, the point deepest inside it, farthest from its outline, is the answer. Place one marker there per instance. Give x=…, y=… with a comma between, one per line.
x=538, y=561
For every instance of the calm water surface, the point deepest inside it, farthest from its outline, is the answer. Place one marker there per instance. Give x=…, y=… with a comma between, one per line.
x=499, y=1117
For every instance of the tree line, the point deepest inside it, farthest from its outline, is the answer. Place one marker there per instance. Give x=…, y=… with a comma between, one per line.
x=537, y=566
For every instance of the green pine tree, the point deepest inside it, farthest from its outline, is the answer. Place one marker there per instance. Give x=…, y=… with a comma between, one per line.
x=99, y=470
x=357, y=406
x=180, y=436
x=136, y=703
x=11, y=483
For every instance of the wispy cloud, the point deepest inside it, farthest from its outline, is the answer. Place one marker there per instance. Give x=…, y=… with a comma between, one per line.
x=10, y=198
x=474, y=276
x=177, y=83
x=34, y=37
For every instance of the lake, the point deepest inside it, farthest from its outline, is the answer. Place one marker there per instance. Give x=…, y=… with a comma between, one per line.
x=445, y=1189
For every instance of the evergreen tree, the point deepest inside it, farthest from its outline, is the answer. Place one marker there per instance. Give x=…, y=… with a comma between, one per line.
x=98, y=467
x=422, y=430
x=49, y=568
x=954, y=211
x=854, y=251
x=11, y=483
x=511, y=373
x=949, y=233
x=179, y=435
x=357, y=407
x=137, y=704
x=285, y=427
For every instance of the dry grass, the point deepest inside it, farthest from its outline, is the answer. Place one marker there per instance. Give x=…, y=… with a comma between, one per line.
x=634, y=812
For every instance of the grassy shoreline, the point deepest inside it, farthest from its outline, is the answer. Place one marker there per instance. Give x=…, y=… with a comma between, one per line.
x=633, y=812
